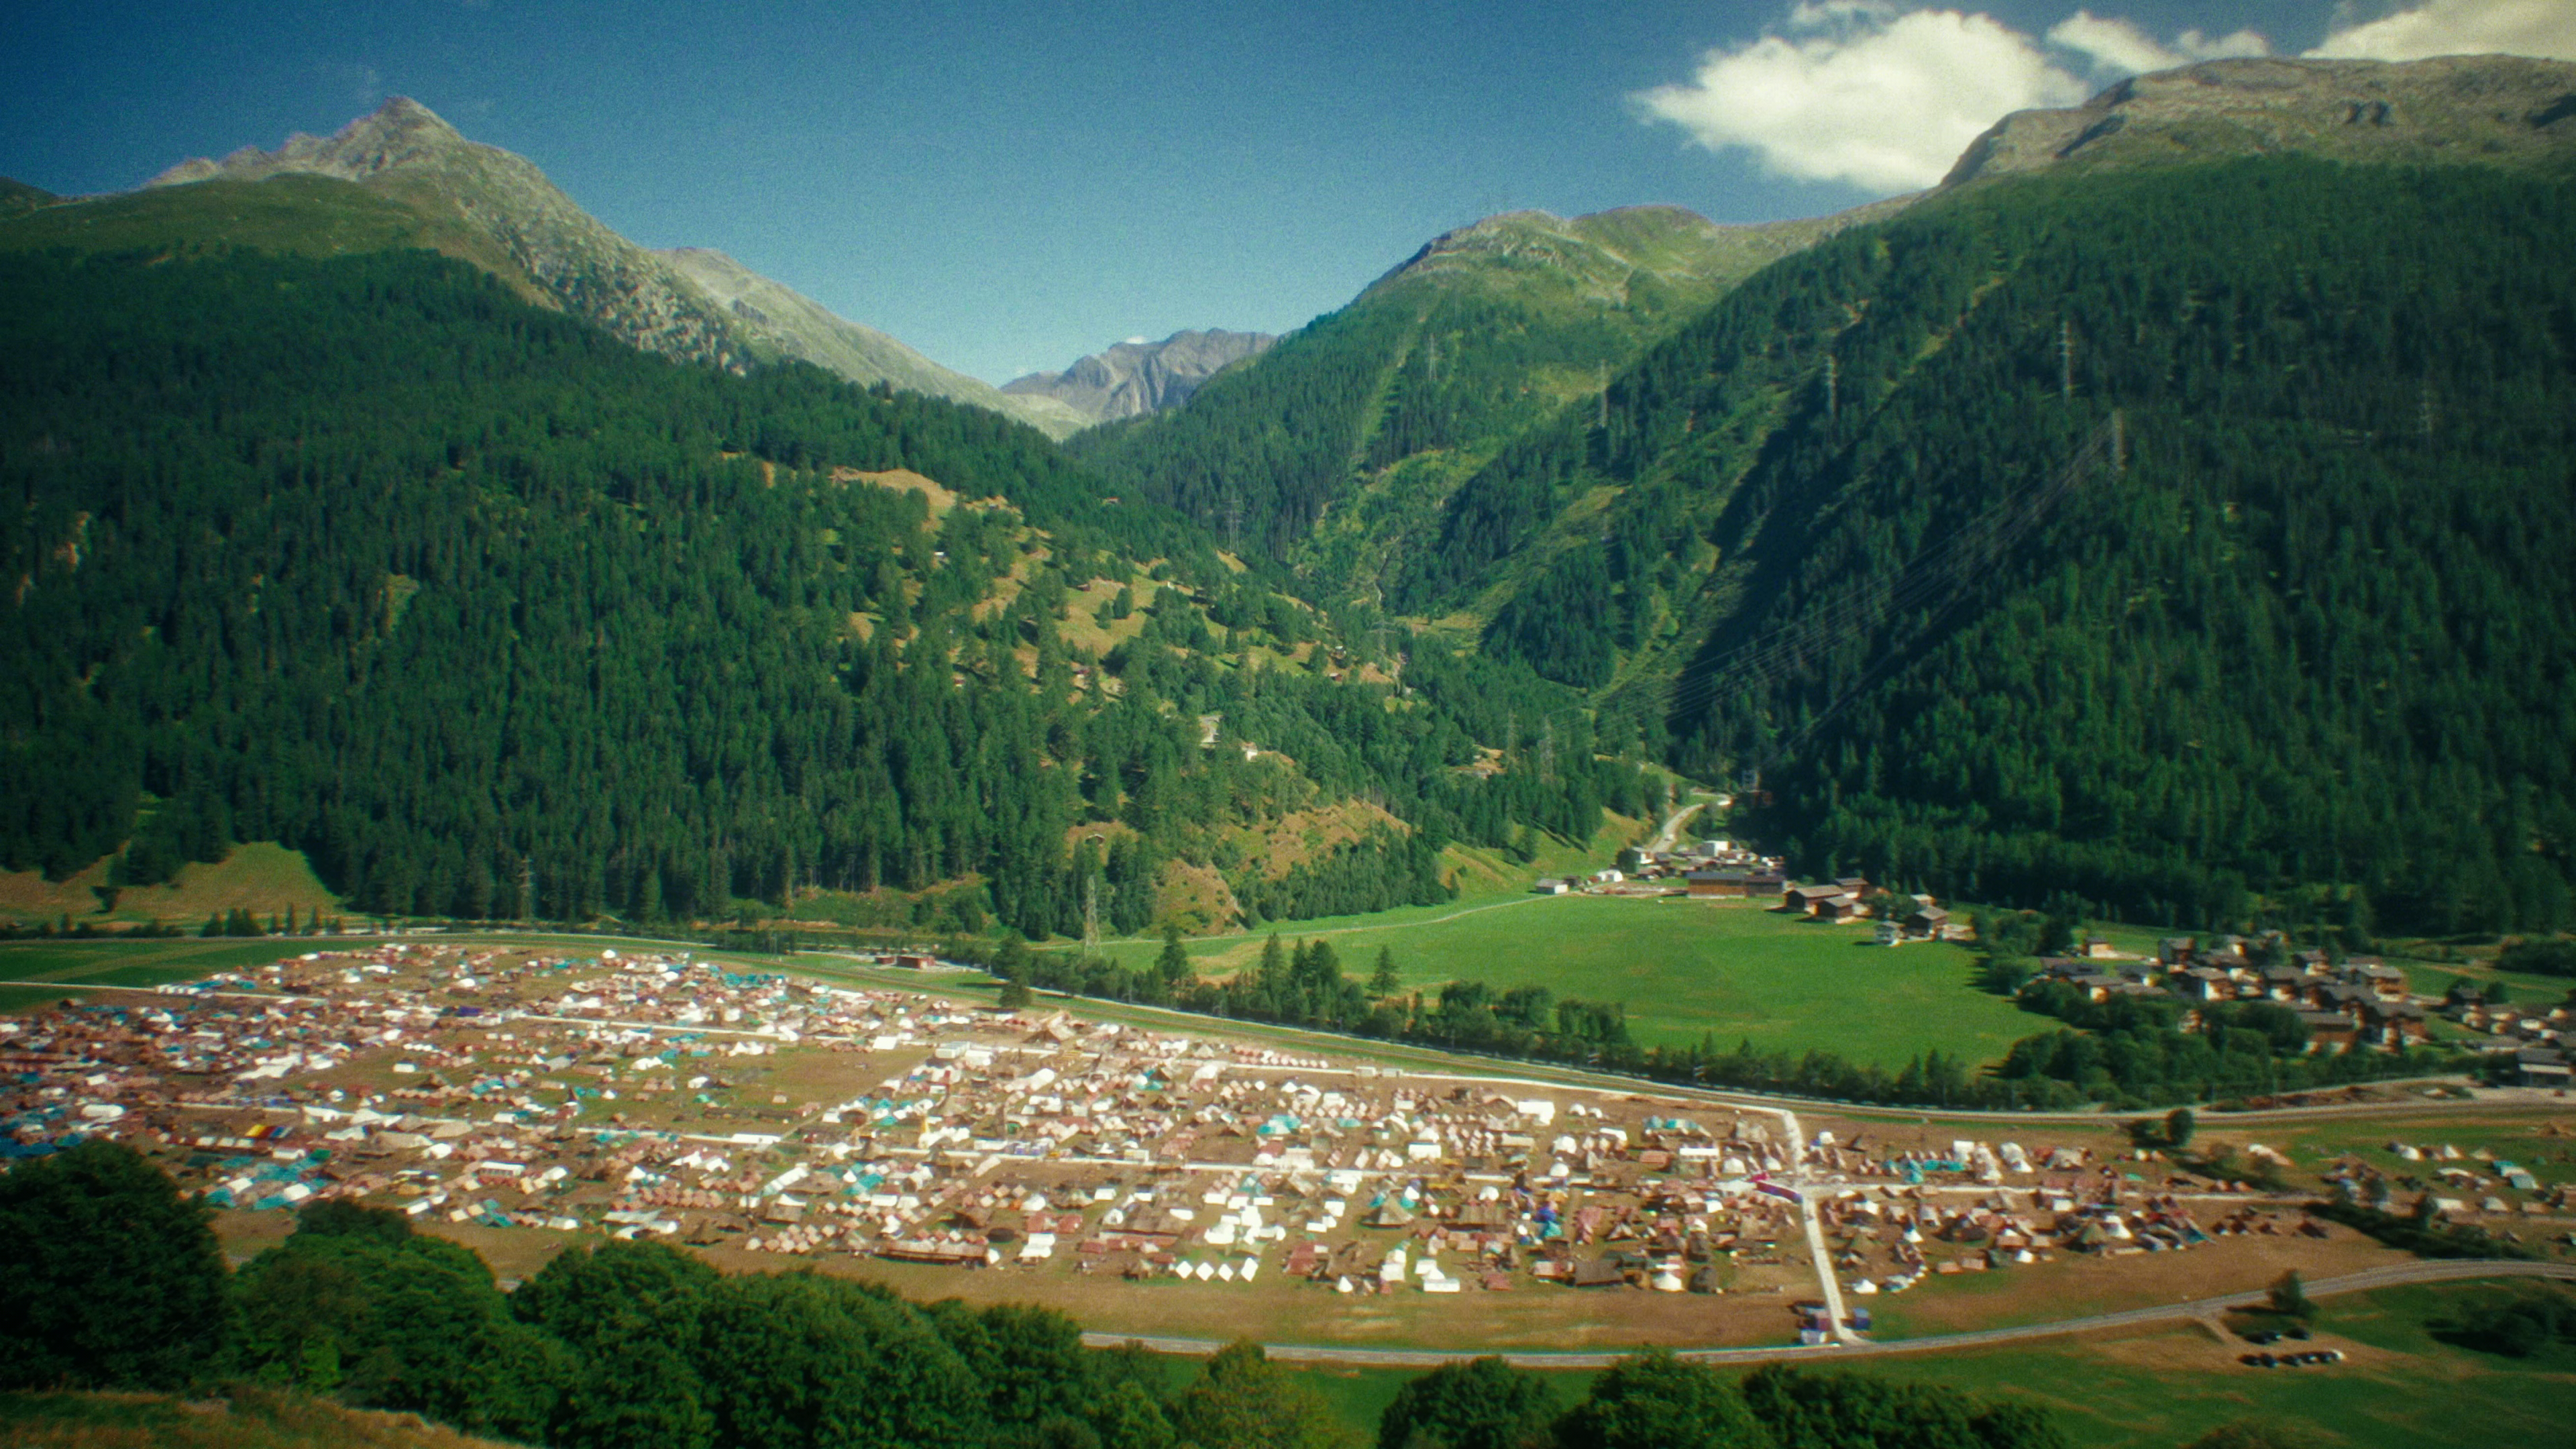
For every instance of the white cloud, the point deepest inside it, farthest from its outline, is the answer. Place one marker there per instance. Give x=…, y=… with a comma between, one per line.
x=1882, y=97
x=2543, y=28
x=1863, y=94
x=1876, y=95
x=2119, y=48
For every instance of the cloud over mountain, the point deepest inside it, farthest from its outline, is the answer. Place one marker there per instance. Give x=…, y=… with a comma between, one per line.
x=2545, y=29
x=1875, y=95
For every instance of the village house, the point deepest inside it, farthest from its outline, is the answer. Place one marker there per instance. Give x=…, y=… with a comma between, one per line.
x=1837, y=900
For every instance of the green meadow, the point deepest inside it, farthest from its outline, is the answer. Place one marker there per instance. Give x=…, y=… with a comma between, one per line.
x=2401, y=1388
x=1684, y=968
x=75, y=964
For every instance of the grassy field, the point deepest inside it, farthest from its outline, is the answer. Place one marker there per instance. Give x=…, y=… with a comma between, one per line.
x=1683, y=967
x=2400, y=1387
x=260, y=877
x=76, y=964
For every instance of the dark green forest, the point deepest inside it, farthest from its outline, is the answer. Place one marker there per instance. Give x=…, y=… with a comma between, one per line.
x=2306, y=652
x=110, y=1279
x=493, y=616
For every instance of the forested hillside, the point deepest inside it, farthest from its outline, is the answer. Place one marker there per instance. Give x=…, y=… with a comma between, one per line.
x=2312, y=644
x=493, y=615
x=1338, y=445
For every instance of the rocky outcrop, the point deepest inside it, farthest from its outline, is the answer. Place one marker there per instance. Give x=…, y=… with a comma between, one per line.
x=1140, y=377
x=2461, y=109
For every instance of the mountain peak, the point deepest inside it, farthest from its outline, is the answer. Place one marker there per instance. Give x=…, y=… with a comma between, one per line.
x=400, y=116
x=1134, y=377
x=400, y=131
x=2460, y=109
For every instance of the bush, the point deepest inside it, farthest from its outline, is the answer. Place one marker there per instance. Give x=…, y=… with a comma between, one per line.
x=108, y=1277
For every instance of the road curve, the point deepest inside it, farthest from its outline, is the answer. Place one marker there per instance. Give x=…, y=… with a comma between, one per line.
x=2421, y=1272
x=1664, y=838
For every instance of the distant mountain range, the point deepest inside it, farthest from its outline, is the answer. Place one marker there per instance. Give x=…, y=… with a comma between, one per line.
x=424, y=184
x=1137, y=377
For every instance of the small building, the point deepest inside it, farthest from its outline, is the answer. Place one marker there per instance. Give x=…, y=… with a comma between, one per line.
x=2394, y=1023
x=2540, y=1067
x=2204, y=983
x=1549, y=885
x=1804, y=900
x=1727, y=884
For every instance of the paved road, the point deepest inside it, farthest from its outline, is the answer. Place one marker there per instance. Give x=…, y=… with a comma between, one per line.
x=2195, y=1308
x=1663, y=840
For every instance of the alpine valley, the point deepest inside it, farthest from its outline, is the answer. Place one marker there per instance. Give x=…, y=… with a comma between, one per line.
x=2167, y=513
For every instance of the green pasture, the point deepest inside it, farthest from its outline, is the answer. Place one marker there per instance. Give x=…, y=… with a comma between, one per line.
x=1684, y=968
x=2435, y=977
x=78, y=964
x=2537, y=1141
x=2169, y=1386
x=2152, y=1389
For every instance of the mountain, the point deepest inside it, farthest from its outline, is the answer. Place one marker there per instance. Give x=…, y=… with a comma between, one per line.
x=424, y=184
x=2287, y=647
x=1336, y=447
x=404, y=153
x=2488, y=110
x=487, y=613
x=1133, y=378
x=783, y=321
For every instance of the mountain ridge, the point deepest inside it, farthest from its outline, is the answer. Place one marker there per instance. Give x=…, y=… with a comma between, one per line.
x=1337, y=446
x=1129, y=379
x=678, y=304
x=2487, y=109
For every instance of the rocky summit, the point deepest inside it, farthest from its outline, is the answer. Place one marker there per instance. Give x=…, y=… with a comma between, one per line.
x=570, y=257
x=1133, y=378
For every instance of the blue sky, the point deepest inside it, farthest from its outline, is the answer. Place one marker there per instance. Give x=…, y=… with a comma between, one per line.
x=1007, y=186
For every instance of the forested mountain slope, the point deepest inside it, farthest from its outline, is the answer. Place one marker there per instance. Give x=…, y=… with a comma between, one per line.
x=2315, y=643
x=492, y=614
x=1336, y=446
